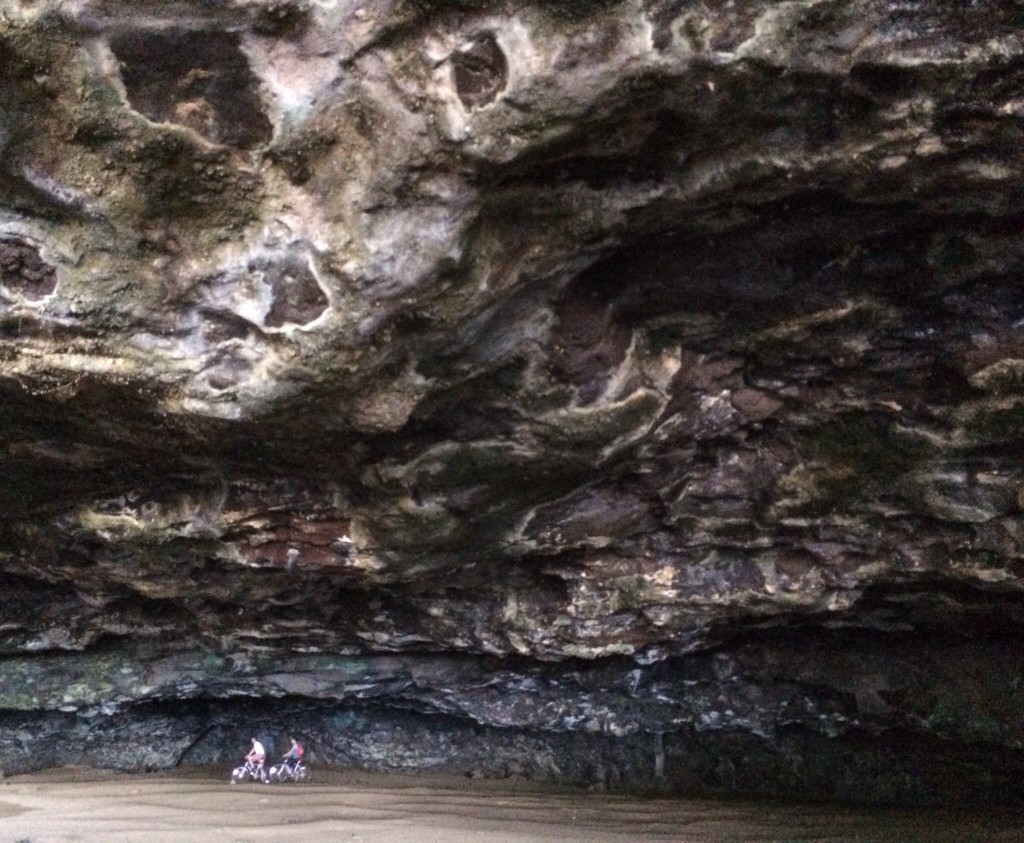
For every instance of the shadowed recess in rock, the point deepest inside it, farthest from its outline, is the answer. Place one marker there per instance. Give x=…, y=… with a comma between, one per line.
x=281, y=19
x=588, y=342
x=297, y=297
x=196, y=79
x=481, y=71
x=24, y=272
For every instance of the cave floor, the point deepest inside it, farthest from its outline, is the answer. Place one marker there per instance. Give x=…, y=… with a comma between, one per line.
x=85, y=805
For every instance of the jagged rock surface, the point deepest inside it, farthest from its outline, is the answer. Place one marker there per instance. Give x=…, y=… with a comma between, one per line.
x=628, y=393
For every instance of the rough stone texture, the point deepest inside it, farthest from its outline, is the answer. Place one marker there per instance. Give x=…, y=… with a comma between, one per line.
x=628, y=393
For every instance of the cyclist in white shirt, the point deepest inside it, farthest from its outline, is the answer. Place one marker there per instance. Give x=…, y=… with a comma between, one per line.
x=257, y=755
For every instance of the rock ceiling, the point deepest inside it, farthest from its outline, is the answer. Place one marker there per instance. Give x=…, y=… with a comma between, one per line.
x=626, y=392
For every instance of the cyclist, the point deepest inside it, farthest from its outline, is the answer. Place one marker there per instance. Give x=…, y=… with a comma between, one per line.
x=257, y=755
x=294, y=755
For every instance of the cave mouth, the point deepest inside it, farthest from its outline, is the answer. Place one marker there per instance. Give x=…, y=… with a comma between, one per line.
x=627, y=396
x=200, y=80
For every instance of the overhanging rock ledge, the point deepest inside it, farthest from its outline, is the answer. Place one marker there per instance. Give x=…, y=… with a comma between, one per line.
x=627, y=393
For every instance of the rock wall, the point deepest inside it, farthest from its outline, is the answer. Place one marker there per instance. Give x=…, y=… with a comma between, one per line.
x=628, y=393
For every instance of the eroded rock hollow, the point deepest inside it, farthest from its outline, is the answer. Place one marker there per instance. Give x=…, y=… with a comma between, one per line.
x=624, y=393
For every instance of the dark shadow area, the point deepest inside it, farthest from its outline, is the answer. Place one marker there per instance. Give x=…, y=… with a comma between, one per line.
x=297, y=297
x=196, y=79
x=23, y=271
x=898, y=767
x=481, y=71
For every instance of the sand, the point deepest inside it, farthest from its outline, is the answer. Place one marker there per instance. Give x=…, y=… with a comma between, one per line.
x=83, y=805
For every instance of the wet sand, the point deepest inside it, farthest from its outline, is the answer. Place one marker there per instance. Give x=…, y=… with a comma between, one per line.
x=83, y=805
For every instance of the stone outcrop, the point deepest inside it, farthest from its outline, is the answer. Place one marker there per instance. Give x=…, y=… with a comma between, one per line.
x=627, y=392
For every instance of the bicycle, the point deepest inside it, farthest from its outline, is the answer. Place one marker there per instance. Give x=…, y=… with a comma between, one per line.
x=248, y=770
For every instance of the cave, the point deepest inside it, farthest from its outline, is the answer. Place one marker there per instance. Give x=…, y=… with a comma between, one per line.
x=627, y=396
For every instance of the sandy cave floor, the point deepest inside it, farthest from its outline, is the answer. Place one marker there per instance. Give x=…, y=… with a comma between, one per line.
x=85, y=805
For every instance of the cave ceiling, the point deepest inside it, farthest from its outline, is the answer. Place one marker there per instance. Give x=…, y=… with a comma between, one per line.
x=600, y=368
